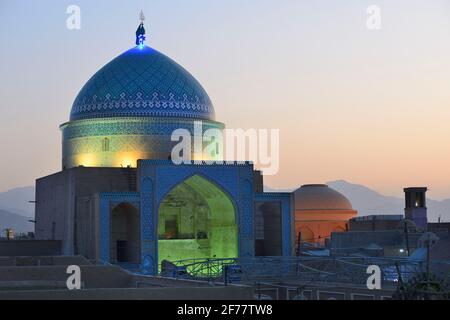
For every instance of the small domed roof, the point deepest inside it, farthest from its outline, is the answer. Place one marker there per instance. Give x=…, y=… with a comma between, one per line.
x=320, y=197
x=142, y=82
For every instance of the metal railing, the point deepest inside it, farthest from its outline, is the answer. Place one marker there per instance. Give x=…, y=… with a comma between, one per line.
x=304, y=269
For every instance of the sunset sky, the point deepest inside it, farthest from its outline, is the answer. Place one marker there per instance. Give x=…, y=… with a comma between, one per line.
x=368, y=106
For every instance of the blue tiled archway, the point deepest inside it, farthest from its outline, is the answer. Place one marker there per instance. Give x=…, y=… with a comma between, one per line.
x=158, y=177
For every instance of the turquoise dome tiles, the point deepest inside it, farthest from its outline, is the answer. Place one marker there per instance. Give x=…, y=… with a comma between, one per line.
x=142, y=82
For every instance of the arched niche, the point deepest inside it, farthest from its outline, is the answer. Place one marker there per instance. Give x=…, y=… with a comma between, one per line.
x=125, y=234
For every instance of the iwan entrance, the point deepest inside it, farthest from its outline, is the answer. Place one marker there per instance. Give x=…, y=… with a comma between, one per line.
x=197, y=220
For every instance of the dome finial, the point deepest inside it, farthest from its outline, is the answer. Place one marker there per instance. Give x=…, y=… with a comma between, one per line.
x=140, y=32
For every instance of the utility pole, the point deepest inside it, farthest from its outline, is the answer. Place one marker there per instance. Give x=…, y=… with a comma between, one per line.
x=406, y=237
x=428, y=261
x=299, y=243
x=400, y=279
x=225, y=270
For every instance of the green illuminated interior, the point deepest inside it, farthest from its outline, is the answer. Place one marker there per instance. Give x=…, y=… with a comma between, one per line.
x=196, y=220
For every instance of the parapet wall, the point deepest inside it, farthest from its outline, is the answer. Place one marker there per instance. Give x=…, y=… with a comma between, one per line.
x=30, y=248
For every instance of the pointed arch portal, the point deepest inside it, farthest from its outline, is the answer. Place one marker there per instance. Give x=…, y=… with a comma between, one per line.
x=124, y=234
x=196, y=220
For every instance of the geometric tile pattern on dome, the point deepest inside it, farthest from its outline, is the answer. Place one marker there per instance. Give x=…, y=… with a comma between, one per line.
x=142, y=83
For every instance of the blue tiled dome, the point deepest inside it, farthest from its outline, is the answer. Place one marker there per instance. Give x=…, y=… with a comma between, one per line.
x=142, y=82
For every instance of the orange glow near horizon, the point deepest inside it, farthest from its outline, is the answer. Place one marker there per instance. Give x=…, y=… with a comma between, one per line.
x=369, y=107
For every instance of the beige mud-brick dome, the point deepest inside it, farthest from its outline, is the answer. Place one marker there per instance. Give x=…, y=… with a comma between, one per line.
x=320, y=211
x=320, y=197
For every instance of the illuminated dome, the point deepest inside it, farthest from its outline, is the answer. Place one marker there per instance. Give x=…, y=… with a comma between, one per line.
x=320, y=197
x=142, y=82
x=129, y=109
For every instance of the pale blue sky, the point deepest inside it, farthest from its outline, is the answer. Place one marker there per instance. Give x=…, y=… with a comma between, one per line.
x=371, y=107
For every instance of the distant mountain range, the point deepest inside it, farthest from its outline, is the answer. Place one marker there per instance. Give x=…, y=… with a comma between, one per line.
x=16, y=210
x=369, y=202
x=19, y=223
x=18, y=201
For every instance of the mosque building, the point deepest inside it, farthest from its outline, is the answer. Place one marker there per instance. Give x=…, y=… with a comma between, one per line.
x=120, y=198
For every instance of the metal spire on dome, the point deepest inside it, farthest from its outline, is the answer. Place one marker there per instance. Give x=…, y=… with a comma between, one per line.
x=140, y=32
